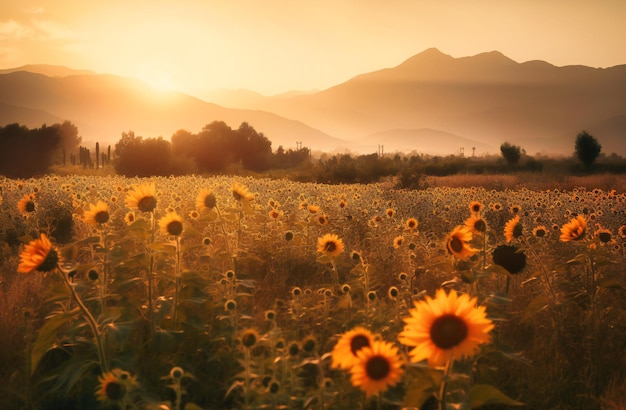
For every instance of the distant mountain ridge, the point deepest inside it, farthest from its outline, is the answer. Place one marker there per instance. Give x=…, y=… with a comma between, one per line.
x=431, y=103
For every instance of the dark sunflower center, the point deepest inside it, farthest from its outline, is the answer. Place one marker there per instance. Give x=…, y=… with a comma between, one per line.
x=210, y=201
x=147, y=204
x=114, y=391
x=50, y=262
x=480, y=225
x=456, y=244
x=175, y=228
x=476, y=208
x=540, y=233
x=30, y=206
x=377, y=368
x=330, y=247
x=604, y=237
x=358, y=342
x=448, y=331
x=237, y=195
x=102, y=217
x=249, y=339
x=517, y=231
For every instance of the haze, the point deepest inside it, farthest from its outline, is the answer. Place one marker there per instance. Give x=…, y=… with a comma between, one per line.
x=276, y=46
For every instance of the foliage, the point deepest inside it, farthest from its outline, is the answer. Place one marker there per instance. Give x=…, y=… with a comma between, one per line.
x=587, y=148
x=511, y=153
x=27, y=152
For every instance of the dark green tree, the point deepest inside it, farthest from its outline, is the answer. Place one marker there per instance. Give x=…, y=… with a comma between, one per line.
x=511, y=153
x=587, y=148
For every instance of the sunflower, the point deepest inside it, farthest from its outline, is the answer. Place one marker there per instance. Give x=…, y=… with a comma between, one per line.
x=510, y=257
x=411, y=224
x=513, y=229
x=38, y=255
x=344, y=354
x=398, y=241
x=171, y=224
x=322, y=220
x=447, y=327
x=390, y=212
x=142, y=198
x=603, y=234
x=476, y=224
x=241, y=193
x=97, y=214
x=26, y=205
x=205, y=200
x=378, y=367
x=129, y=218
x=114, y=386
x=540, y=231
x=313, y=209
x=475, y=207
x=621, y=231
x=458, y=243
x=343, y=204
x=275, y=213
x=330, y=245
x=574, y=229
x=249, y=338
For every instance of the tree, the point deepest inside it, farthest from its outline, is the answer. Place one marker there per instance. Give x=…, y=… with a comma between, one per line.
x=511, y=153
x=587, y=148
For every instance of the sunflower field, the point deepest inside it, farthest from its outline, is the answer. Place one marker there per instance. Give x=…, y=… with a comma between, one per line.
x=241, y=293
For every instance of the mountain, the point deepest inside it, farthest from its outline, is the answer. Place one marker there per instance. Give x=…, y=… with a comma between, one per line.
x=487, y=98
x=103, y=106
x=47, y=69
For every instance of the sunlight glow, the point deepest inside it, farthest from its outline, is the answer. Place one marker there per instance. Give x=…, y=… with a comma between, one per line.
x=157, y=79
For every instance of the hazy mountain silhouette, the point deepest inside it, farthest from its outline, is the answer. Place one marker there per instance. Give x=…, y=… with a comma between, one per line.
x=487, y=98
x=431, y=103
x=103, y=106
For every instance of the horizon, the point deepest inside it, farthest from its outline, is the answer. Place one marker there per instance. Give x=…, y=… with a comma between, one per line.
x=278, y=47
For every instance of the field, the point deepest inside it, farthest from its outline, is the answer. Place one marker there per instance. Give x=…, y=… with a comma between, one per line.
x=234, y=292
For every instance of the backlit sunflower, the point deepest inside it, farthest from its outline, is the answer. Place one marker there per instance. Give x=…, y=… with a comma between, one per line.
x=398, y=241
x=603, y=234
x=621, y=231
x=171, y=224
x=26, y=205
x=142, y=197
x=241, y=193
x=574, y=229
x=540, y=231
x=38, y=255
x=378, y=367
x=330, y=245
x=114, y=386
x=444, y=328
x=411, y=224
x=97, y=214
x=513, y=229
x=344, y=354
x=458, y=245
x=205, y=200
x=475, y=207
x=510, y=257
x=476, y=224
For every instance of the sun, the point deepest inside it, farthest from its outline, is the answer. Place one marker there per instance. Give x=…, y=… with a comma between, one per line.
x=157, y=78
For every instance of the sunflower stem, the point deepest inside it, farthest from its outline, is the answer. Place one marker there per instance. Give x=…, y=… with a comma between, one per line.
x=91, y=321
x=177, y=284
x=443, y=389
x=150, y=277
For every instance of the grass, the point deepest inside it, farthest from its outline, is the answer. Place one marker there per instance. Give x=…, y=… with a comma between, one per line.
x=559, y=323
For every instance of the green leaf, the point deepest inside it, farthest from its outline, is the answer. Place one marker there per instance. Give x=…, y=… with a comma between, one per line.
x=484, y=394
x=48, y=334
x=610, y=284
x=535, y=306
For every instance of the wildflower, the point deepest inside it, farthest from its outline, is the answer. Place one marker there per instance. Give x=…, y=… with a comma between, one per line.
x=458, y=243
x=171, y=224
x=38, y=255
x=540, y=231
x=142, y=198
x=411, y=224
x=513, y=229
x=97, y=214
x=330, y=245
x=205, y=200
x=447, y=327
x=26, y=205
x=574, y=229
x=397, y=241
x=475, y=207
x=344, y=354
x=114, y=385
x=510, y=257
x=378, y=367
x=241, y=193
x=476, y=224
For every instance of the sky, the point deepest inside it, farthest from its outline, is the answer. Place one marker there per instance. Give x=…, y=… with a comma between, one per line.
x=276, y=46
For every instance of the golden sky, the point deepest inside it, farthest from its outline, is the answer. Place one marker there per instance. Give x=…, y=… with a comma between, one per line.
x=274, y=46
